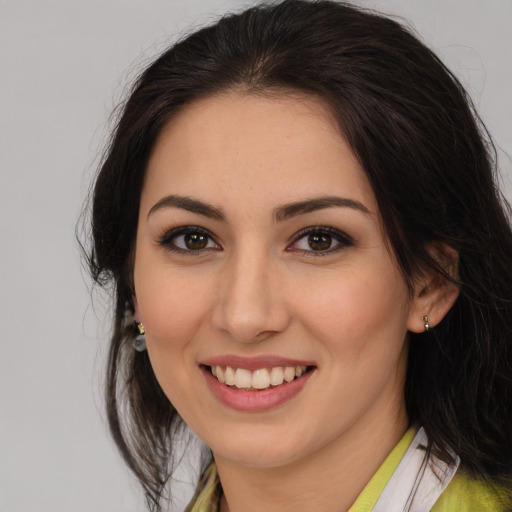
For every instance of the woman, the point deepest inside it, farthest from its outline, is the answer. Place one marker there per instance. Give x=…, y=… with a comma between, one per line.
x=310, y=260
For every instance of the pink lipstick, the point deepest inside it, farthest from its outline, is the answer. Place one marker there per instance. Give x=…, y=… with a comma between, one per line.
x=255, y=384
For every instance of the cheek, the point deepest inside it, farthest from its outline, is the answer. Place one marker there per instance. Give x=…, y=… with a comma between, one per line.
x=172, y=314
x=357, y=309
x=173, y=305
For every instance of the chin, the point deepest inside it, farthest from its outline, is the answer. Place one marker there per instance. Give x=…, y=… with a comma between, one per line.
x=258, y=450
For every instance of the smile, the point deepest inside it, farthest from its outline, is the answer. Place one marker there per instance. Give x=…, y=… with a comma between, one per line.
x=256, y=380
x=256, y=384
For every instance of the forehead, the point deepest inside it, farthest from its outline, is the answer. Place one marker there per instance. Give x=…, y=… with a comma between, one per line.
x=255, y=148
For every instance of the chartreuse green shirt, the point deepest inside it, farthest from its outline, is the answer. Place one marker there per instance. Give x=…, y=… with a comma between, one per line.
x=463, y=493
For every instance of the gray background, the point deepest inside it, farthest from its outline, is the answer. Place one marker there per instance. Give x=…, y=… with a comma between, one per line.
x=64, y=64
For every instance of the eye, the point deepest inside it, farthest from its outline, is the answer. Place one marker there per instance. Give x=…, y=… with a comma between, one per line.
x=188, y=239
x=320, y=240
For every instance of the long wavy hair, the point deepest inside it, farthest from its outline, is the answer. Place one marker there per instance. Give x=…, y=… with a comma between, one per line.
x=431, y=166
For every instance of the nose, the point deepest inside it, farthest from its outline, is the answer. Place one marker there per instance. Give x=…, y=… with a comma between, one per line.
x=251, y=305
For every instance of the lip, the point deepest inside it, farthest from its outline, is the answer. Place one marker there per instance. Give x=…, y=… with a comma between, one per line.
x=254, y=362
x=254, y=401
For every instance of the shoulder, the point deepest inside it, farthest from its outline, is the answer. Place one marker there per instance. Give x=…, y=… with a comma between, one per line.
x=466, y=494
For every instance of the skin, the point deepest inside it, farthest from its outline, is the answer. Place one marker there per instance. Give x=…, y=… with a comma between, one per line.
x=259, y=288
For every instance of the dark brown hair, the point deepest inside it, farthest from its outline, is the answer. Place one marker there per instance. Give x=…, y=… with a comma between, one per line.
x=431, y=167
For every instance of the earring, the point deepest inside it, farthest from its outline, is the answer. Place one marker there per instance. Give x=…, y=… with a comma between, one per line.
x=427, y=325
x=139, y=343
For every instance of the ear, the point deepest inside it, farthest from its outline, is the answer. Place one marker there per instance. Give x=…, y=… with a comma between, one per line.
x=434, y=295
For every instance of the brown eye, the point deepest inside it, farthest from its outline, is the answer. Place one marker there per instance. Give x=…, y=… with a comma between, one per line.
x=188, y=239
x=320, y=241
x=195, y=241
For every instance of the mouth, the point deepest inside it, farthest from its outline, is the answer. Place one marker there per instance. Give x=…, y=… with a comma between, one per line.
x=260, y=379
x=258, y=383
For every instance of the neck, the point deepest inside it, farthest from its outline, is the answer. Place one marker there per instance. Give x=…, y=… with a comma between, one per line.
x=329, y=479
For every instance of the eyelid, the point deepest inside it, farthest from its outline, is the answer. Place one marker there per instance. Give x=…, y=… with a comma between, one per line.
x=341, y=237
x=165, y=240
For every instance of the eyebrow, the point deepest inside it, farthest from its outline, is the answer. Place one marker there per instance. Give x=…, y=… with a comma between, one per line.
x=318, y=203
x=189, y=204
x=280, y=214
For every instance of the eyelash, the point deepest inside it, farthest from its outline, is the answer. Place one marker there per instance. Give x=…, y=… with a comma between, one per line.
x=343, y=240
x=169, y=237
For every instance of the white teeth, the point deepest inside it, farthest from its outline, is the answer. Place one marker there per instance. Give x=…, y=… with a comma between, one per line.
x=229, y=375
x=289, y=373
x=257, y=379
x=243, y=378
x=220, y=374
x=276, y=376
x=260, y=379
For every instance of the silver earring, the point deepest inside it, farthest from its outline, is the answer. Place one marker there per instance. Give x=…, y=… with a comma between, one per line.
x=139, y=343
x=427, y=325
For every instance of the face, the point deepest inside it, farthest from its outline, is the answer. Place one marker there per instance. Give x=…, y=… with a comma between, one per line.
x=260, y=256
